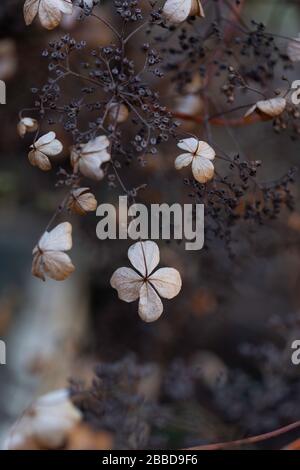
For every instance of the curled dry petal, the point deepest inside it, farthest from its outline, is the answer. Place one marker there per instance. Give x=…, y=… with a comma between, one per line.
x=177, y=11
x=49, y=11
x=49, y=257
x=272, y=108
x=198, y=153
x=89, y=157
x=45, y=146
x=27, y=124
x=82, y=201
x=144, y=257
x=189, y=104
x=293, y=49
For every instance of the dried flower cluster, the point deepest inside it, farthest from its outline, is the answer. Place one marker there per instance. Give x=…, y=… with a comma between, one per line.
x=117, y=116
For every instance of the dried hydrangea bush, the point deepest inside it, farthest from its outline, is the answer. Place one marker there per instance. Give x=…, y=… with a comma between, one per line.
x=119, y=117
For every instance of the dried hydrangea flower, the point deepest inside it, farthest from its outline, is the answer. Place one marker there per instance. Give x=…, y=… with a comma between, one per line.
x=49, y=11
x=145, y=284
x=8, y=59
x=293, y=49
x=118, y=112
x=45, y=147
x=189, y=104
x=198, y=153
x=89, y=157
x=47, y=422
x=27, y=124
x=271, y=108
x=177, y=11
x=49, y=258
x=82, y=201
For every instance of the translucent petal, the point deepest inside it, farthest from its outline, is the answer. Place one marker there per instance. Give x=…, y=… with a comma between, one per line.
x=183, y=160
x=205, y=150
x=203, y=169
x=177, y=11
x=58, y=239
x=167, y=282
x=150, y=305
x=57, y=265
x=190, y=145
x=144, y=257
x=128, y=284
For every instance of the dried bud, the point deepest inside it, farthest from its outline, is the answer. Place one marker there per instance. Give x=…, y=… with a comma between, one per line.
x=82, y=201
x=27, y=124
x=118, y=112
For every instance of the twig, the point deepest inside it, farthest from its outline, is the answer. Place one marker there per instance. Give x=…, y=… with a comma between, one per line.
x=249, y=440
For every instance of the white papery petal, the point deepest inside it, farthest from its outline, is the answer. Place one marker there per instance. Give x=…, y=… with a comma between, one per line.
x=128, y=284
x=57, y=265
x=203, y=169
x=273, y=107
x=189, y=104
x=58, y=239
x=190, y=145
x=177, y=11
x=150, y=305
x=53, y=148
x=167, y=282
x=144, y=257
x=65, y=6
x=205, y=150
x=45, y=139
x=183, y=160
x=49, y=16
x=89, y=166
x=27, y=124
x=96, y=145
x=293, y=49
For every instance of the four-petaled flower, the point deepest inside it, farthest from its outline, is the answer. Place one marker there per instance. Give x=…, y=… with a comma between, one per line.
x=49, y=11
x=45, y=147
x=49, y=257
x=89, y=157
x=144, y=283
x=200, y=155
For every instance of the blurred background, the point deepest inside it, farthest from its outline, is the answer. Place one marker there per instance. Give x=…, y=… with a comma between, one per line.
x=221, y=353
